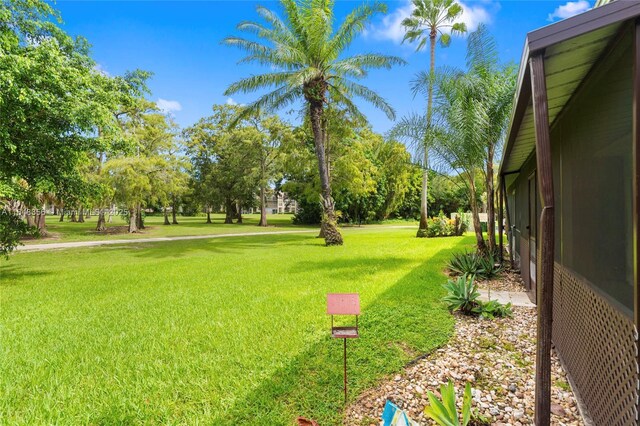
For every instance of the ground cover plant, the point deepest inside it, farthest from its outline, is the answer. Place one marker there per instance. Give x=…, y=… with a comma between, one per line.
x=223, y=331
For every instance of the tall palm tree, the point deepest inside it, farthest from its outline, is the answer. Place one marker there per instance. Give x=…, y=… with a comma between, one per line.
x=430, y=20
x=496, y=83
x=305, y=53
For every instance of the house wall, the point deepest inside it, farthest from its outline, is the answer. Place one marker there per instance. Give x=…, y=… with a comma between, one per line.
x=593, y=330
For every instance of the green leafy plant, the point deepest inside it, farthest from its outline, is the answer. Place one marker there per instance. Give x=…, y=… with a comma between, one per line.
x=466, y=263
x=462, y=295
x=445, y=412
x=494, y=309
x=488, y=267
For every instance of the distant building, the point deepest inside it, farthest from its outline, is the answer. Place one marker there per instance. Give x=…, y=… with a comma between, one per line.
x=278, y=202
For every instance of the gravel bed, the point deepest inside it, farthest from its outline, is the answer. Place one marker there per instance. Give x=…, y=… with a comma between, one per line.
x=508, y=280
x=497, y=357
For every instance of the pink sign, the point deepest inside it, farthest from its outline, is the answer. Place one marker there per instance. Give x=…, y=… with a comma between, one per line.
x=343, y=304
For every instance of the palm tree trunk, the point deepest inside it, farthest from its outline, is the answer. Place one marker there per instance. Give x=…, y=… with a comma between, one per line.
x=329, y=227
x=491, y=220
x=422, y=229
x=477, y=226
x=263, y=207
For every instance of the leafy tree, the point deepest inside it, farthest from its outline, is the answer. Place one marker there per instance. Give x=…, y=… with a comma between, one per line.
x=273, y=134
x=305, y=50
x=429, y=20
x=226, y=160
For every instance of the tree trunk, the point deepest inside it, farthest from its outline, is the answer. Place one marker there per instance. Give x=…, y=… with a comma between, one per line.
x=133, y=220
x=139, y=219
x=263, y=207
x=491, y=220
x=73, y=215
x=81, y=214
x=166, y=216
x=174, y=211
x=40, y=220
x=238, y=212
x=209, y=214
x=422, y=228
x=477, y=226
x=88, y=214
x=61, y=215
x=228, y=213
x=329, y=227
x=101, y=226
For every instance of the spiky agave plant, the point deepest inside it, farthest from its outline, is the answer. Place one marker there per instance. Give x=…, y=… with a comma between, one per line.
x=306, y=53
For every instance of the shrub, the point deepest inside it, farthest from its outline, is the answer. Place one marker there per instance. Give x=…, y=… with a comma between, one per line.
x=488, y=268
x=441, y=226
x=474, y=263
x=494, y=309
x=462, y=295
x=465, y=263
x=445, y=412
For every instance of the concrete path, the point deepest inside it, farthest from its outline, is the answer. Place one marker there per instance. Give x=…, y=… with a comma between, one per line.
x=516, y=298
x=76, y=244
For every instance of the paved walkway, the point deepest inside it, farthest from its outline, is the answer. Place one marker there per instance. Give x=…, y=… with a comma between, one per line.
x=516, y=298
x=76, y=244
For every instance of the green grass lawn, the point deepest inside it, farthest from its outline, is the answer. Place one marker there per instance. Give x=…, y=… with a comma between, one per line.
x=59, y=232
x=224, y=331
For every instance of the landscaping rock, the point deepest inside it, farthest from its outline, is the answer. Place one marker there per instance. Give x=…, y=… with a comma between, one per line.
x=496, y=356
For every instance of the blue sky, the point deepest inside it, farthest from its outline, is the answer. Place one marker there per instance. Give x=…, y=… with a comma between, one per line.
x=179, y=41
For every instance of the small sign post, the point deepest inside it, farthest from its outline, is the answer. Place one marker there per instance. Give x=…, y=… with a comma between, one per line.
x=344, y=304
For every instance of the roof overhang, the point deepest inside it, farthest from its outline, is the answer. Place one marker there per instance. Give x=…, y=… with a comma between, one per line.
x=571, y=47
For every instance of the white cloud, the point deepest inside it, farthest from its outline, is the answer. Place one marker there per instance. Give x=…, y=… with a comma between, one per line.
x=231, y=101
x=100, y=69
x=390, y=28
x=168, y=106
x=569, y=9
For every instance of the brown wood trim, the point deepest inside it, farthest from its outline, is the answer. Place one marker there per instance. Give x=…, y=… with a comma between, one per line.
x=596, y=18
x=636, y=180
x=510, y=235
x=501, y=220
x=545, y=256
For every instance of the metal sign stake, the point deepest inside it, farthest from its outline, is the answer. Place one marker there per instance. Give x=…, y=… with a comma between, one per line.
x=344, y=304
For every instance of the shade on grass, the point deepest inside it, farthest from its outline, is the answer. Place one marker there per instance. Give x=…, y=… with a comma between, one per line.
x=66, y=231
x=228, y=331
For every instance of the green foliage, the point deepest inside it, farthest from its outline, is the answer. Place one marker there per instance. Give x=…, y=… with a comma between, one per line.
x=494, y=309
x=474, y=263
x=445, y=411
x=12, y=228
x=488, y=267
x=441, y=226
x=465, y=263
x=462, y=295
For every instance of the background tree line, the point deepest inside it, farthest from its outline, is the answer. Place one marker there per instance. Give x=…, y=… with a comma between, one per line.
x=83, y=142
